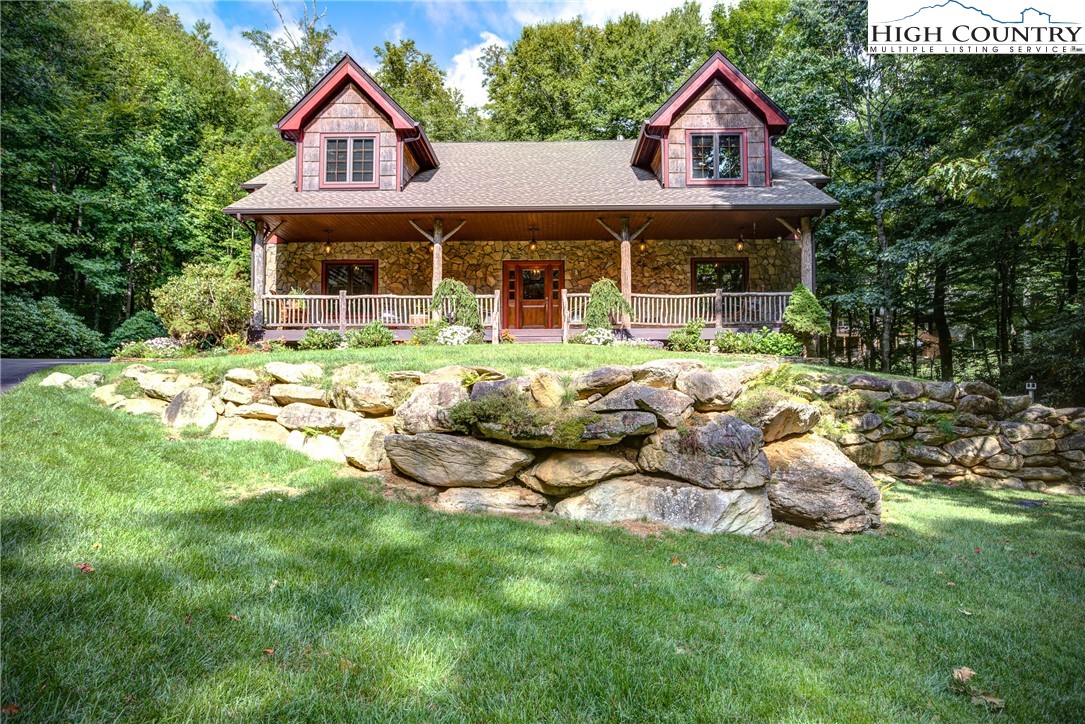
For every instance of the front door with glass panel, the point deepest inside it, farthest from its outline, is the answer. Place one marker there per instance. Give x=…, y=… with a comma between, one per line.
x=352, y=277
x=532, y=294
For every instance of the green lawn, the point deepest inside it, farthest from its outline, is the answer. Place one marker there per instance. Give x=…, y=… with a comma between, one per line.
x=388, y=610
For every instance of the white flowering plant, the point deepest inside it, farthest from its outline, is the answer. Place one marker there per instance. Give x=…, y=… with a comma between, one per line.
x=596, y=336
x=455, y=335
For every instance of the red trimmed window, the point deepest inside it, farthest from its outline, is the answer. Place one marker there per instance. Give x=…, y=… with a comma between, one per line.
x=717, y=157
x=349, y=161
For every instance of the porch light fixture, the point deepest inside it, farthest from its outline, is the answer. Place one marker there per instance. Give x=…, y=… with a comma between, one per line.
x=741, y=243
x=533, y=245
x=327, y=241
x=642, y=246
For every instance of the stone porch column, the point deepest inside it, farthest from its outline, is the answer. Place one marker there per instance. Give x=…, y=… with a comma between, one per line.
x=258, y=275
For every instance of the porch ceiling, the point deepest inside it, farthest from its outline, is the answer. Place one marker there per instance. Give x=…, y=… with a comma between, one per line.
x=551, y=226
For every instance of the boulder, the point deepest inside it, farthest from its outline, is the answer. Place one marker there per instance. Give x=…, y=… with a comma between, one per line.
x=85, y=382
x=933, y=406
x=191, y=406
x=413, y=377
x=828, y=391
x=370, y=398
x=670, y=406
x=873, y=454
x=235, y=393
x=971, y=451
x=289, y=393
x=940, y=391
x=1043, y=474
x=1071, y=442
x=506, y=500
x=142, y=406
x=362, y=443
x=547, y=388
x=133, y=371
x=456, y=373
x=709, y=392
x=301, y=416
x=889, y=432
x=1036, y=413
x=926, y=455
x=164, y=386
x=748, y=371
x=294, y=374
x=724, y=453
x=814, y=485
x=673, y=504
x=565, y=472
x=906, y=389
x=516, y=385
x=1065, y=490
x=239, y=428
x=1040, y=461
x=316, y=447
x=979, y=405
x=910, y=471
x=602, y=380
x=865, y=423
x=662, y=373
x=786, y=418
x=979, y=388
x=242, y=376
x=606, y=429
x=1034, y=447
x=451, y=461
x=1016, y=403
x=426, y=410
x=868, y=382
x=255, y=411
x=107, y=396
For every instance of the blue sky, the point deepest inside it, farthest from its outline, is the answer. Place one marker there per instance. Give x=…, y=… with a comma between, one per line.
x=453, y=31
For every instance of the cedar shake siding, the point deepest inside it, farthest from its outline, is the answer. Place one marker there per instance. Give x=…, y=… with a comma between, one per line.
x=716, y=108
x=350, y=112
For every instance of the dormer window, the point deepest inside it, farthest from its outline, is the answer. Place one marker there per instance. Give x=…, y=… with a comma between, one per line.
x=349, y=161
x=716, y=157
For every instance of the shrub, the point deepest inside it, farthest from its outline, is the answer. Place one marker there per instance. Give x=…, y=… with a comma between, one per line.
x=753, y=404
x=140, y=326
x=598, y=336
x=515, y=412
x=765, y=341
x=271, y=345
x=202, y=304
x=321, y=339
x=455, y=335
x=374, y=334
x=507, y=337
x=605, y=301
x=462, y=301
x=155, y=348
x=33, y=328
x=428, y=334
x=688, y=338
x=804, y=316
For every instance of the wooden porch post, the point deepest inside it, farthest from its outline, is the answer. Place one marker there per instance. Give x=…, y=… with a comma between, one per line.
x=564, y=315
x=495, y=321
x=438, y=252
x=719, y=309
x=259, y=267
x=342, y=311
x=806, y=237
x=626, y=263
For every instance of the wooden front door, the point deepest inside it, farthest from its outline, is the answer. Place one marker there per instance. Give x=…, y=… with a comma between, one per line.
x=532, y=294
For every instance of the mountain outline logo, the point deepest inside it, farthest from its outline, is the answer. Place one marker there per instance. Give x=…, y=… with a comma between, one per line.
x=962, y=6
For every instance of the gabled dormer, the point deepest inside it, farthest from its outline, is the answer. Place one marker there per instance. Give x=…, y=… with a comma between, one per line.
x=350, y=135
x=716, y=130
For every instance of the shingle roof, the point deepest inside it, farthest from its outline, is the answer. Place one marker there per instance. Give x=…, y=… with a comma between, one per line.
x=537, y=176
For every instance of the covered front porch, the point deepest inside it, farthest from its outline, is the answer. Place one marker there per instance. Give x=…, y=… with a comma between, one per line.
x=531, y=272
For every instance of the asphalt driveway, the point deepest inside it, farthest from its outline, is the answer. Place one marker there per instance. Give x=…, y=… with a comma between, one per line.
x=14, y=371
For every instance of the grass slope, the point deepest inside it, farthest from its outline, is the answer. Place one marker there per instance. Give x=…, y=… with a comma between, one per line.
x=386, y=610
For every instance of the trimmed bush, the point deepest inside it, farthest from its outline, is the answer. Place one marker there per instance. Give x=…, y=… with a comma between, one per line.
x=765, y=341
x=203, y=304
x=461, y=299
x=605, y=301
x=804, y=316
x=688, y=338
x=374, y=334
x=33, y=328
x=140, y=326
x=321, y=339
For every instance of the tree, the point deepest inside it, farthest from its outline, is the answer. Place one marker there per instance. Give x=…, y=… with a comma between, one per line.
x=418, y=84
x=302, y=55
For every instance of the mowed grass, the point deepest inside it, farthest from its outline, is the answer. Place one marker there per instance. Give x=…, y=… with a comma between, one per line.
x=384, y=610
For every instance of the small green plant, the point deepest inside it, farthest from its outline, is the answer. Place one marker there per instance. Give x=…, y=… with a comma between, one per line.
x=783, y=377
x=464, y=306
x=428, y=333
x=755, y=403
x=851, y=402
x=233, y=341
x=764, y=341
x=688, y=338
x=127, y=387
x=474, y=376
x=944, y=425
x=605, y=301
x=317, y=338
x=804, y=316
x=374, y=334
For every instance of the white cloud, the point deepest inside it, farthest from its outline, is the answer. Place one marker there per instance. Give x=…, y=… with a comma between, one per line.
x=465, y=73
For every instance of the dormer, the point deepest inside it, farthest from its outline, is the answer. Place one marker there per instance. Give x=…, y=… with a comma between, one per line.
x=716, y=130
x=350, y=135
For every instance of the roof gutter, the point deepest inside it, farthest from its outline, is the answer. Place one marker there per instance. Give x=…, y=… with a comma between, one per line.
x=530, y=209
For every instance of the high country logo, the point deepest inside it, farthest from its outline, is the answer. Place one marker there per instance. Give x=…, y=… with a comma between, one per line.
x=954, y=26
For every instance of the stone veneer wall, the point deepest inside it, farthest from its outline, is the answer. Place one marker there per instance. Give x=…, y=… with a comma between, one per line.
x=404, y=267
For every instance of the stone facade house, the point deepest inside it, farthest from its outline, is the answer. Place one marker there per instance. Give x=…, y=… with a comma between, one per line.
x=699, y=217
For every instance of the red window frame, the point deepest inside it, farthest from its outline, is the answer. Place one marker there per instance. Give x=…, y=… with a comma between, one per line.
x=349, y=137
x=742, y=148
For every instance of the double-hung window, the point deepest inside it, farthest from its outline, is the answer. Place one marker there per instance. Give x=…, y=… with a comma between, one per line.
x=716, y=157
x=349, y=161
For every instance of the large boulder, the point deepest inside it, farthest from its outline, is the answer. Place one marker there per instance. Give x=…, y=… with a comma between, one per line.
x=316, y=447
x=602, y=429
x=663, y=373
x=1017, y=431
x=971, y=451
x=670, y=406
x=565, y=472
x=456, y=373
x=979, y=388
x=288, y=393
x=370, y=398
x=547, y=388
x=166, y=386
x=506, y=500
x=786, y=418
x=133, y=371
x=979, y=405
x=814, y=485
x=906, y=389
x=85, y=382
x=427, y=409
x=56, y=379
x=294, y=374
x=602, y=380
x=927, y=455
x=255, y=411
x=868, y=382
x=362, y=443
x=242, y=376
x=873, y=454
x=142, y=406
x=451, y=461
x=191, y=406
x=241, y=428
x=724, y=453
x=300, y=416
x=1034, y=447
x=673, y=504
x=709, y=392
x=513, y=385
x=235, y=393
x=107, y=396
x=940, y=391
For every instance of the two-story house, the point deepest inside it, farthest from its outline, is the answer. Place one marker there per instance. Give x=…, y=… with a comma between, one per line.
x=699, y=217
